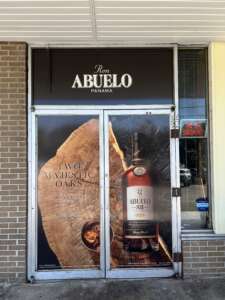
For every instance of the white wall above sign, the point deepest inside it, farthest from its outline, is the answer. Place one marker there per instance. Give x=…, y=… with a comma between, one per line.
x=109, y=21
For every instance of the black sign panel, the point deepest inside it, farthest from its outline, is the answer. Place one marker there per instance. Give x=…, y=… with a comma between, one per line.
x=102, y=76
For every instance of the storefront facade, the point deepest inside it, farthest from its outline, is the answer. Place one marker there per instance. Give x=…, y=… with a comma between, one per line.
x=111, y=160
x=100, y=108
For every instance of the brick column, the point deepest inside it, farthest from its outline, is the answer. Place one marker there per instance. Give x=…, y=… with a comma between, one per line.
x=13, y=166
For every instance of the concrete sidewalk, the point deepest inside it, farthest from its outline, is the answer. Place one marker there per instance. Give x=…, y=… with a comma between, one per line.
x=144, y=289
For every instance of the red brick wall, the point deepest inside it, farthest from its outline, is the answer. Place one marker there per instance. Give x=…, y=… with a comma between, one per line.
x=204, y=258
x=13, y=169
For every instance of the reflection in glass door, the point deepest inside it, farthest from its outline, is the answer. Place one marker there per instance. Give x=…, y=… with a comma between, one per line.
x=138, y=195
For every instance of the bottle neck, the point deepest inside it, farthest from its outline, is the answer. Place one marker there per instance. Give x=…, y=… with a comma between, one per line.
x=137, y=161
x=137, y=155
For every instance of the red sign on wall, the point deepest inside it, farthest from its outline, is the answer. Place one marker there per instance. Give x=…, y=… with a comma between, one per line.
x=193, y=128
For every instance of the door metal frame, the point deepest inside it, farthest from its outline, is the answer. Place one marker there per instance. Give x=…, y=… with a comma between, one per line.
x=33, y=272
x=104, y=270
x=141, y=272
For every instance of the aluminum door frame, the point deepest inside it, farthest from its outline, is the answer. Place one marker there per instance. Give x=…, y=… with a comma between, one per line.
x=33, y=273
x=175, y=213
x=103, y=113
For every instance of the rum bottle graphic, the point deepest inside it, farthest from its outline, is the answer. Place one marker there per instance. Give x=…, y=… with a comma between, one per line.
x=138, y=200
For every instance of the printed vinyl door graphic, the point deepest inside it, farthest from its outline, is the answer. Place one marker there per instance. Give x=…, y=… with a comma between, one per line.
x=68, y=192
x=69, y=161
x=140, y=191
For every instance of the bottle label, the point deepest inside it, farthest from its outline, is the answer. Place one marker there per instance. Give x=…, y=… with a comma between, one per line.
x=139, y=203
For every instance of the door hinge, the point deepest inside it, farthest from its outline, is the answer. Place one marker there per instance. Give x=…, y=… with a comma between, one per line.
x=174, y=133
x=177, y=257
x=176, y=192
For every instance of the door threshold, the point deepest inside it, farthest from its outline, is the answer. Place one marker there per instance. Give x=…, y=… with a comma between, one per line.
x=141, y=273
x=113, y=274
x=66, y=274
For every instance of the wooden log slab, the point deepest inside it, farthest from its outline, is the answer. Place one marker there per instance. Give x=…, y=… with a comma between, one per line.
x=69, y=196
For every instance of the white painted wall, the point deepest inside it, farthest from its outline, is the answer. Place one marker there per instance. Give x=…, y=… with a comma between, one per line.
x=112, y=21
x=217, y=111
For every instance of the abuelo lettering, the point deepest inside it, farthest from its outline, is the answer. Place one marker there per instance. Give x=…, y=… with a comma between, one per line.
x=102, y=81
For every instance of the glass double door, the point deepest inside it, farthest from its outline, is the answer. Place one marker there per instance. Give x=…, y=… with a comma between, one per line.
x=103, y=194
